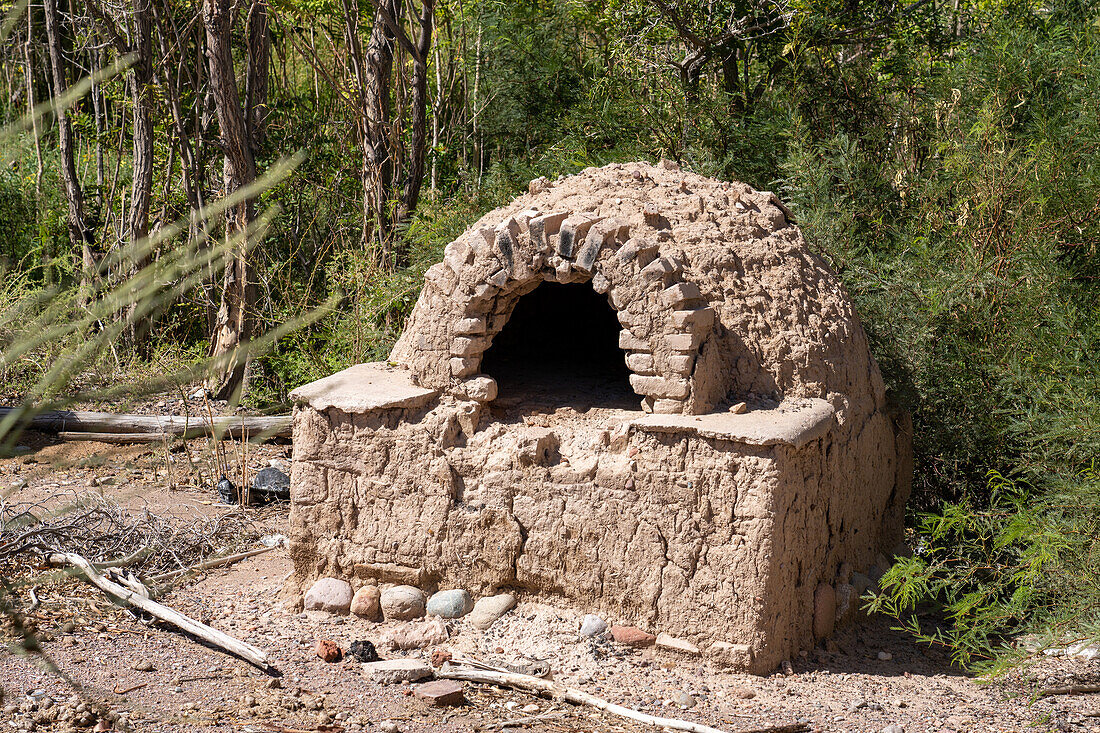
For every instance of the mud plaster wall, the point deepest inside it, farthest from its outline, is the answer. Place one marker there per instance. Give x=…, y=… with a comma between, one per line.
x=710, y=540
x=717, y=541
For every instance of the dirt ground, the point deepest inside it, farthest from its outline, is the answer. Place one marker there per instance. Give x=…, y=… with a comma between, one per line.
x=127, y=674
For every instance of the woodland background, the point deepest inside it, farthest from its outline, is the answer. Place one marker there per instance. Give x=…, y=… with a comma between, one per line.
x=225, y=172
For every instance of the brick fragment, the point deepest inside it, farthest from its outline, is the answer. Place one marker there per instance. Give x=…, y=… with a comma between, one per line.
x=632, y=636
x=574, y=229
x=542, y=227
x=680, y=293
x=630, y=342
x=441, y=693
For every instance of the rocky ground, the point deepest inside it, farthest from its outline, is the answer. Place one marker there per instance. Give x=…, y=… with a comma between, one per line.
x=116, y=671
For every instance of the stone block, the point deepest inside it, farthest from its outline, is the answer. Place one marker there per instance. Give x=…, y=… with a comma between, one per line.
x=630, y=342
x=660, y=387
x=468, y=346
x=658, y=269
x=681, y=342
x=674, y=644
x=681, y=363
x=537, y=447
x=680, y=293
x=458, y=254
x=668, y=407
x=469, y=326
x=523, y=219
x=479, y=389
x=636, y=248
x=695, y=319
x=463, y=366
x=392, y=671
x=442, y=278
x=640, y=363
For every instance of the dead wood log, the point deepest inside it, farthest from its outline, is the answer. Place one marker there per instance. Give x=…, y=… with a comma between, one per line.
x=164, y=613
x=457, y=671
x=108, y=423
x=1070, y=690
x=117, y=438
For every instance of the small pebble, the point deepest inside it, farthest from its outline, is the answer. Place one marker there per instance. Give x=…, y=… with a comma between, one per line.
x=885, y=656
x=685, y=700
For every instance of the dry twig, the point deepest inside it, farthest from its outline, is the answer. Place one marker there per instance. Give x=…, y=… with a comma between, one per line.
x=471, y=671
x=206, y=633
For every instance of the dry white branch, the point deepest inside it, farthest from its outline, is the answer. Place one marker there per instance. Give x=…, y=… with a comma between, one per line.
x=214, y=562
x=463, y=671
x=164, y=613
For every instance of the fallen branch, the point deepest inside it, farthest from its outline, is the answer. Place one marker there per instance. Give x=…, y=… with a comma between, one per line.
x=80, y=422
x=129, y=689
x=527, y=720
x=537, y=685
x=164, y=613
x=116, y=438
x=1070, y=690
x=215, y=562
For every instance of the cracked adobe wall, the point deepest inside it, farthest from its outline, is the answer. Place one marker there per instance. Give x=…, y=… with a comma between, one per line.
x=719, y=528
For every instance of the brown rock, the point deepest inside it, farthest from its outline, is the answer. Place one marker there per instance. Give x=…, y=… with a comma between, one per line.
x=441, y=692
x=365, y=603
x=440, y=657
x=632, y=636
x=328, y=651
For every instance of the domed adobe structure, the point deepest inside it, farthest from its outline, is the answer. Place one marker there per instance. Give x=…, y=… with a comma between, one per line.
x=634, y=391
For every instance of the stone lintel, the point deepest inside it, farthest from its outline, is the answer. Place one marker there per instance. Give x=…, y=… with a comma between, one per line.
x=793, y=423
x=363, y=388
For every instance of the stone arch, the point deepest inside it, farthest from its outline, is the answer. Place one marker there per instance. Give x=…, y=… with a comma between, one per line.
x=663, y=316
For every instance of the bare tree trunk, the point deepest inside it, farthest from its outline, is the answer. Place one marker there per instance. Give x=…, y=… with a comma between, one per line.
x=80, y=236
x=259, y=59
x=437, y=108
x=142, y=187
x=378, y=152
x=233, y=325
x=418, y=133
x=28, y=57
x=473, y=104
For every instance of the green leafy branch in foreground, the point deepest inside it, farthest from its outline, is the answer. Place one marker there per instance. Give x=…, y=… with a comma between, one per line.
x=1021, y=565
